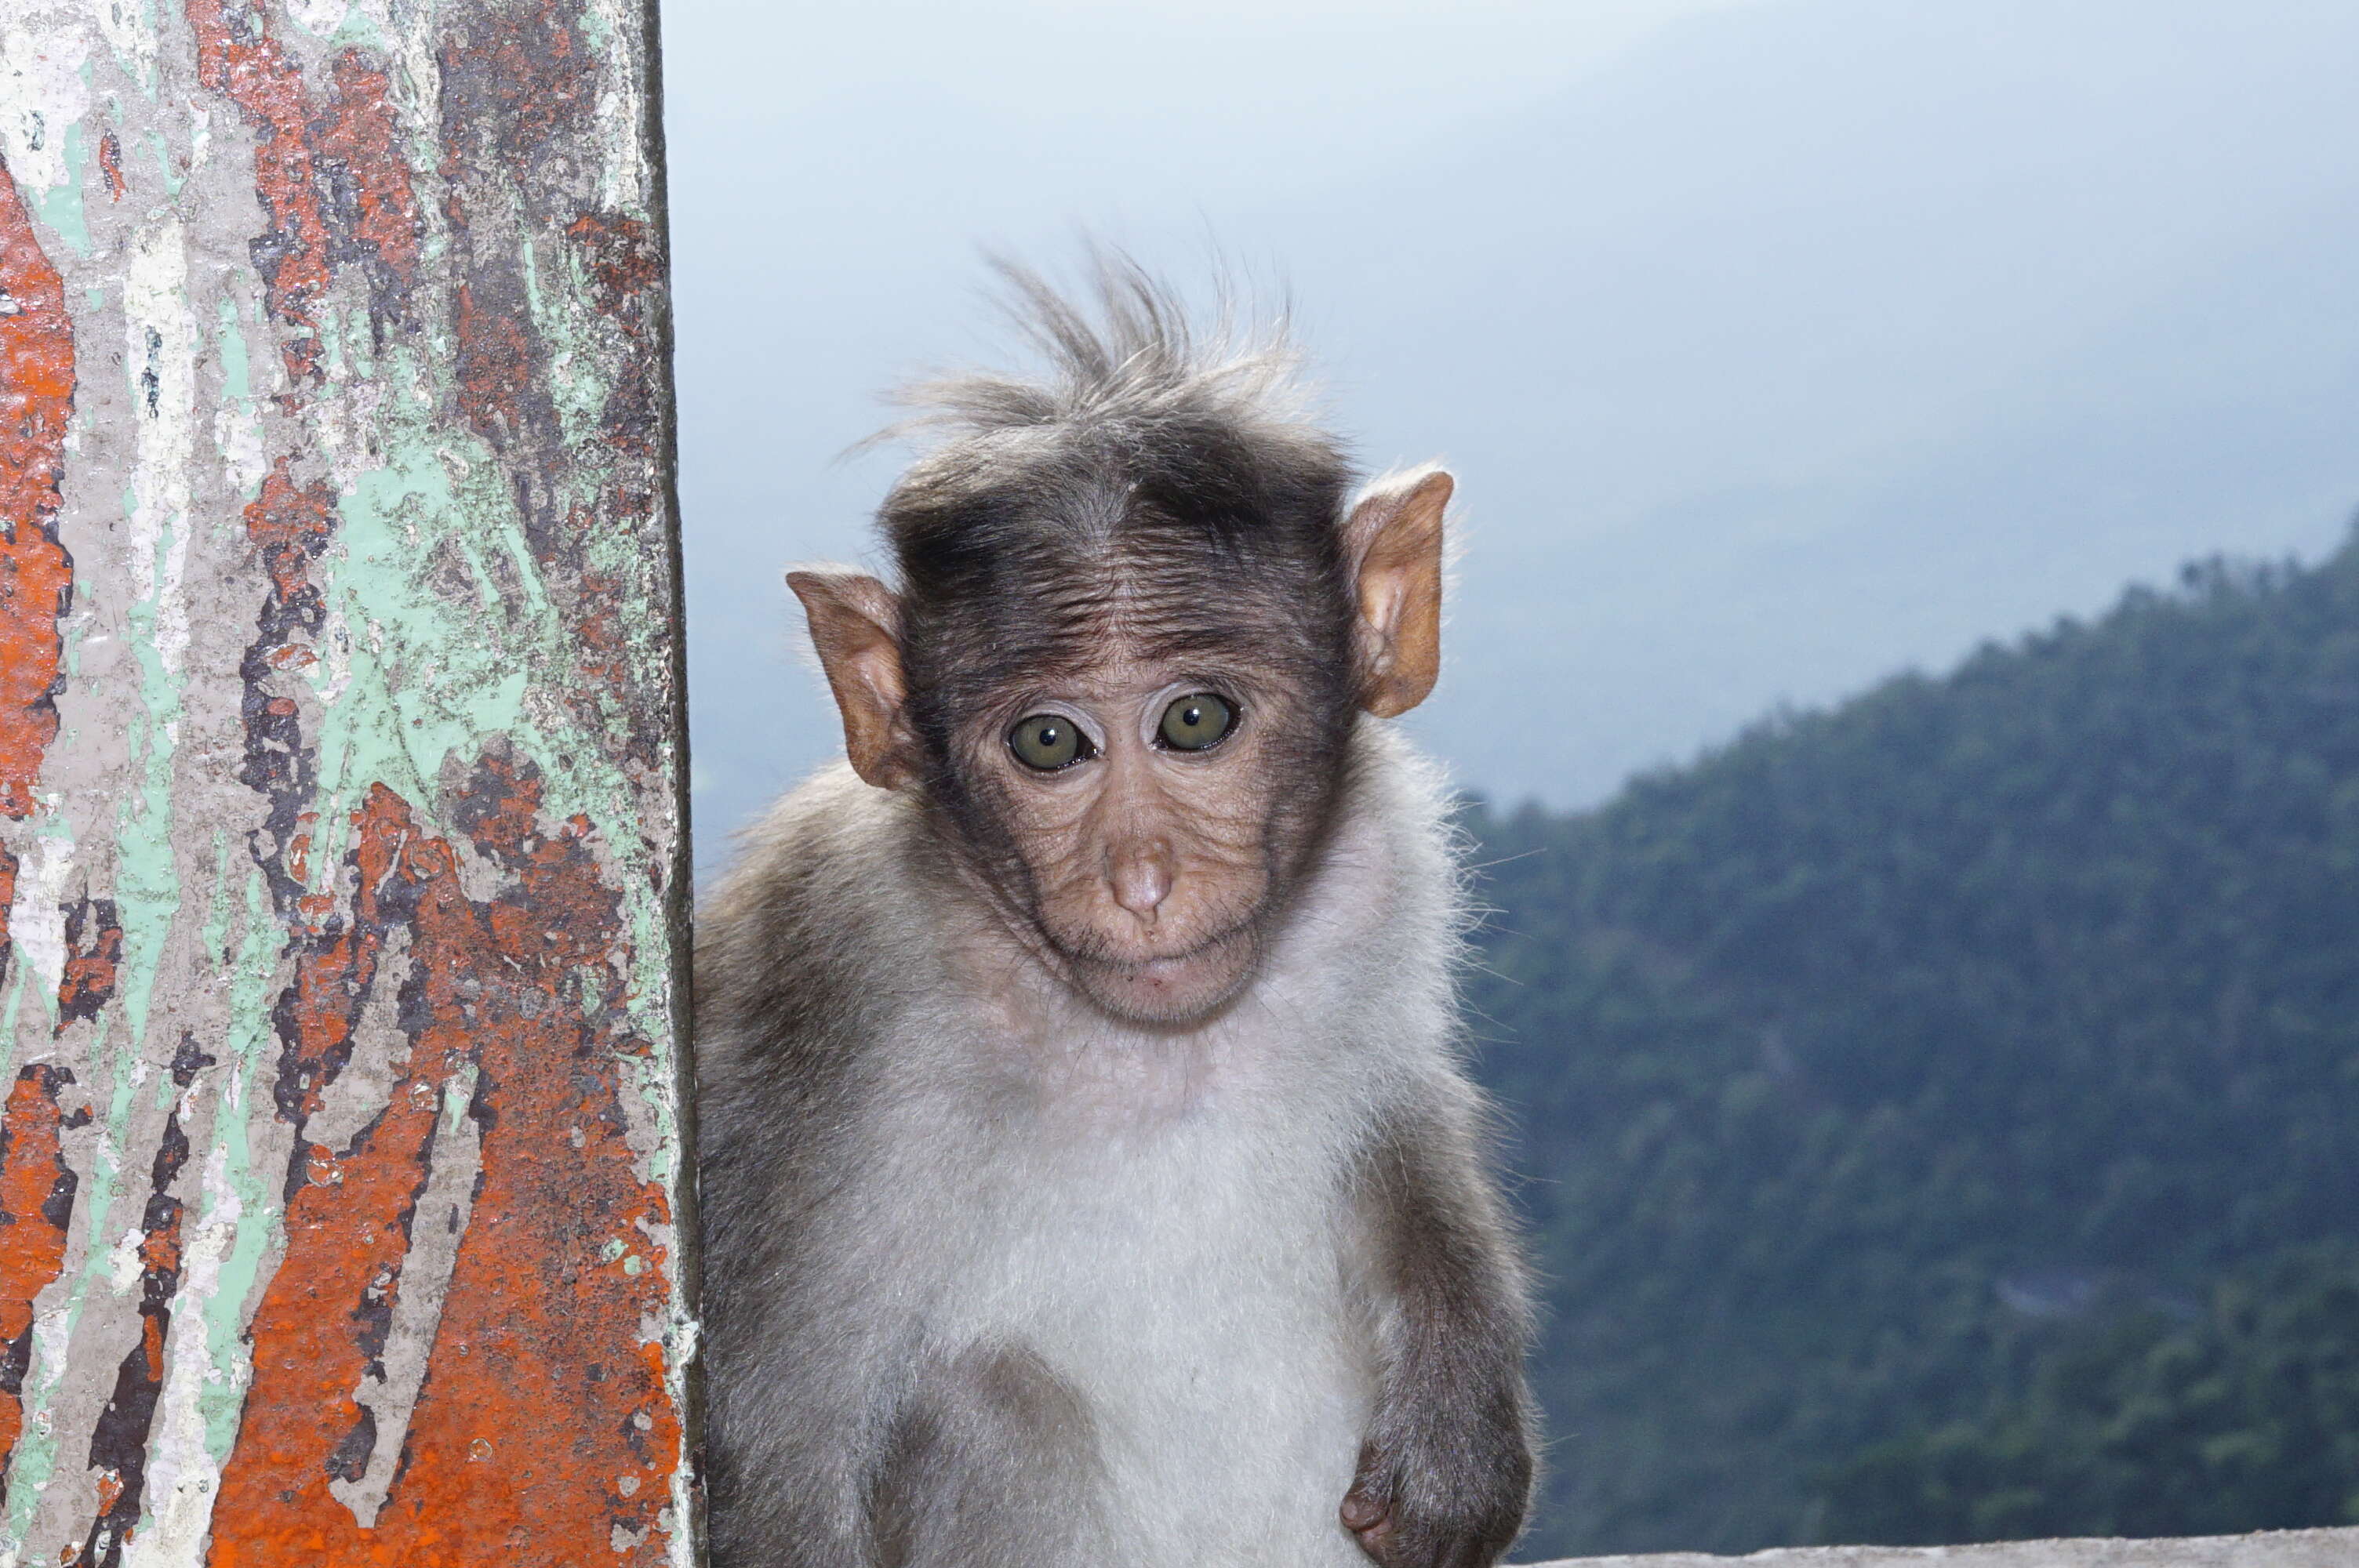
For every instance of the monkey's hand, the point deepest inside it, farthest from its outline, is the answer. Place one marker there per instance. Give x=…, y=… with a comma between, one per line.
x=1441, y=1500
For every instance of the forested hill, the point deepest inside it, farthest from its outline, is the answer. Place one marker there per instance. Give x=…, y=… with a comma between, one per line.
x=1938, y=1117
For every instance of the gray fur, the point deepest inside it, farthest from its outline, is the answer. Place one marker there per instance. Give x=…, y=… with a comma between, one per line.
x=993, y=1462
x=1190, y=1281
x=991, y=1277
x=1139, y=366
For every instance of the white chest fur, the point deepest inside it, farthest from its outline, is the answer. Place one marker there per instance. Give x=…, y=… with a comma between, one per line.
x=1160, y=1216
x=1179, y=1268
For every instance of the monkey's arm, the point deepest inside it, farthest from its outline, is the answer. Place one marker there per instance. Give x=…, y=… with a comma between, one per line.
x=1445, y=1472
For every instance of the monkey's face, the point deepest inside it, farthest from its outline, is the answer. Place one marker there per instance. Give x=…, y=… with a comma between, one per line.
x=1146, y=818
x=1133, y=751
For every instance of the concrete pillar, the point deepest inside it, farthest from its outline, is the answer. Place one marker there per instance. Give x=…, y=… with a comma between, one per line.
x=342, y=850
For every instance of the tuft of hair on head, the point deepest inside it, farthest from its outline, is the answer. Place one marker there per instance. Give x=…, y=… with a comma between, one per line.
x=1146, y=464
x=1121, y=356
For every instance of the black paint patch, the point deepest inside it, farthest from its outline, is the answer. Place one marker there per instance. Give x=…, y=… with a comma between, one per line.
x=118, y=1443
x=350, y=1461
x=94, y=952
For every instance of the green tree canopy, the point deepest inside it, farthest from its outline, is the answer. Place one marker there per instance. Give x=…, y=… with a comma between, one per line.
x=1855, y=1067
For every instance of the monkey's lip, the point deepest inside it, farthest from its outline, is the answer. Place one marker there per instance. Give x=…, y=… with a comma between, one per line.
x=1153, y=966
x=1162, y=971
x=1170, y=988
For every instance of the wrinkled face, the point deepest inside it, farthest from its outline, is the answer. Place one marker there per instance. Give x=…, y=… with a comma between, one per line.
x=1132, y=753
x=1144, y=816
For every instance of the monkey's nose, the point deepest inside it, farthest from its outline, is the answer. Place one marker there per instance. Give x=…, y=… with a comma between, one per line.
x=1141, y=880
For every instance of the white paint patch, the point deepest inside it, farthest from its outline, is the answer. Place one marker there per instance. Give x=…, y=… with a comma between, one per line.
x=237, y=436
x=200, y=139
x=414, y=91
x=238, y=432
x=122, y=1264
x=183, y=1472
x=333, y=649
x=36, y=918
x=130, y=29
x=160, y=357
x=52, y=1335
x=321, y=18
x=42, y=92
x=622, y=97
x=347, y=425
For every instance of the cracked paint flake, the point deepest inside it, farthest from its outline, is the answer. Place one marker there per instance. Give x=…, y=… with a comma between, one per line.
x=341, y=857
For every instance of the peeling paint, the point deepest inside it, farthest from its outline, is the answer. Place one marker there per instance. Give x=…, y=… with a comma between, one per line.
x=341, y=859
x=36, y=389
x=44, y=97
x=37, y=1192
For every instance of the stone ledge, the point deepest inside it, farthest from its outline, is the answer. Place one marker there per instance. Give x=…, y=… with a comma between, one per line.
x=2268, y=1549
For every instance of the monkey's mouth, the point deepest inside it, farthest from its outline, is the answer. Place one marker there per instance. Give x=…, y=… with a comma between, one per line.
x=1168, y=988
x=1095, y=950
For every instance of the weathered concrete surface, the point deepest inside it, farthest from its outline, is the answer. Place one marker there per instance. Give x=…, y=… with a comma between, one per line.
x=341, y=849
x=2270, y=1549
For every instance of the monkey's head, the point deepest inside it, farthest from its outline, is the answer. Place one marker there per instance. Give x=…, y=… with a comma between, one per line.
x=1138, y=617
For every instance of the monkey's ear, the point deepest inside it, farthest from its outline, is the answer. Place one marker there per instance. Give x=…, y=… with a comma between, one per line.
x=1394, y=538
x=855, y=624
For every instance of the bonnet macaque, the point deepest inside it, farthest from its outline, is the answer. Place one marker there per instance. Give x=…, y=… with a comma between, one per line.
x=1089, y=1180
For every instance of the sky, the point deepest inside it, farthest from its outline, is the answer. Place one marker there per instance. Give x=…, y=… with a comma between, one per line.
x=1778, y=345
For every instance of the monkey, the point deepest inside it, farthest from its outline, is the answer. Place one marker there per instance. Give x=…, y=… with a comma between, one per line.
x=1088, y=1174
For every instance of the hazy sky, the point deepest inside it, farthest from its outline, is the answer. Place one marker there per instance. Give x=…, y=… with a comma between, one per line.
x=1777, y=344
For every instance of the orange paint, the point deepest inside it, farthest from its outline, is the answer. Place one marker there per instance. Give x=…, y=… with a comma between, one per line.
x=625, y=266
x=37, y=1192
x=540, y=1397
x=497, y=377
x=36, y=389
x=7, y=902
x=290, y=524
x=300, y=147
x=109, y=164
x=531, y=73
x=93, y=953
x=236, y=57
x=356, y=136
x=347, y=1231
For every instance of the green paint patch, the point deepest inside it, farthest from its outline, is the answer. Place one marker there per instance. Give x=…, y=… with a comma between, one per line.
x=251, y=1042
x=60, y=206
x=237, y=372
x=146, y=880
x=431, y=667
x=359, y=30
x=142, y=70
x=162, y=152
x=8, y=1013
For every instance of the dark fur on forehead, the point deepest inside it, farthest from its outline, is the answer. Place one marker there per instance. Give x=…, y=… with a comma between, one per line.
x=1155, y=483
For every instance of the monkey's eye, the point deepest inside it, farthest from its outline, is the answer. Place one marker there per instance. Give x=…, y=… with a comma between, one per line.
x=1197, y=722
x=1047, y=741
